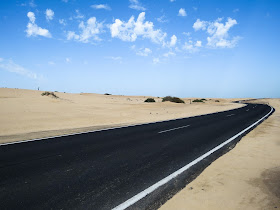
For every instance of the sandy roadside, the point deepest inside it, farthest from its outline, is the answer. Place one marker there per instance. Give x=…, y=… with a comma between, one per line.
x=247, y=177
x=25, y=114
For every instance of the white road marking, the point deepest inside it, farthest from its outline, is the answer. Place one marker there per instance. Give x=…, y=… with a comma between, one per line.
x=247, y=110
x=106, y=129
x=230, y=115
x=174, y=129
x=149, y=190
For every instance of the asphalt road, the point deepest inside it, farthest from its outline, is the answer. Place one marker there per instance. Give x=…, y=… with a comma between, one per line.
x=100, y=170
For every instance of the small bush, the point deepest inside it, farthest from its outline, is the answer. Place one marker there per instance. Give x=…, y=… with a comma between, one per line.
x=47, y=93
x=150, y=100
x=167, y=98
x=107, y=94
x=198, y=100
x=217, y=101
x=203, y=99
x=173, y=99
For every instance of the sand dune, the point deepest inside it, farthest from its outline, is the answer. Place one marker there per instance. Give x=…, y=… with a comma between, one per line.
x=26, y=114
x=247, y=177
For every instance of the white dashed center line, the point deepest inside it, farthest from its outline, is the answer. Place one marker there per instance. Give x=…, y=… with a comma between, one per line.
x=230, y=115
x=174, y=129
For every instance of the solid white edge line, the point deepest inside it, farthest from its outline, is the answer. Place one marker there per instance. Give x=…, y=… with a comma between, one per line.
x=172, y=129
x=144, y=193
x=106, y=129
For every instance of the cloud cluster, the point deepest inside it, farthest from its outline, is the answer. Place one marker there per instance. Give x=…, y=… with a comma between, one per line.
x=33, y=29
x=62, y=22
x=130, y=30
x=192, y=47
x=144, y=52
x=218, y=32
x=135, y=4
x=168, y=54
x=49, y=14
x=88, y=31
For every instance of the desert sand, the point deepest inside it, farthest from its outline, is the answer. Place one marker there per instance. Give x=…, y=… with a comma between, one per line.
x=26, y=114
x=247, y=177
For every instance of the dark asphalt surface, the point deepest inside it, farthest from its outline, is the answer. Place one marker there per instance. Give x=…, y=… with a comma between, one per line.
x=101, y=170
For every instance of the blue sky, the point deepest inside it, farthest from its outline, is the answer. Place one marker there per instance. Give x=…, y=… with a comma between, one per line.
x=135, y=47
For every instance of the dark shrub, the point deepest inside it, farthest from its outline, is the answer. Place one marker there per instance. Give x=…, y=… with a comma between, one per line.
x=107, y=94
x=177, y=100
x=173, y=99
x=149, y=100
x=203, y=99
x=217, y=101
x=167, y=98
x=47, y=93
x=197, y=100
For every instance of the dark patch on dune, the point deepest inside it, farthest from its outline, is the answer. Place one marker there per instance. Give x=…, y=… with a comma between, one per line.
x=271, y=179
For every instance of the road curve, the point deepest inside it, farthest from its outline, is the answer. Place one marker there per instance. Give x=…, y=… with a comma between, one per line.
x=104, y=169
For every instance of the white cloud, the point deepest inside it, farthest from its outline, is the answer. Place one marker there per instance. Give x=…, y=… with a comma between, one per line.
x=144, y=52
x=200, y=25
x=218, y=32
x=31, y=17
x=72, y=35
x=236, y=10
x=130, y=30
x=187, y=33
x=10, y=66
x=101, y=6
x=62, y=21
x=162, y=19
x=168, y=54
x=182, y=12
x=33, y=29
x=1, y=59
x=173, y=41
x=68, y=60
x=49, y=14
x=88, y=31
x=51, y=63
x=115, y=58
x=156, y=61
x=198, y=44
x=172, y=0
x=78, y=15
x=32, y=4
x=135, y=4
x=190, y=47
